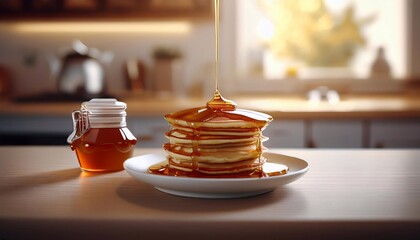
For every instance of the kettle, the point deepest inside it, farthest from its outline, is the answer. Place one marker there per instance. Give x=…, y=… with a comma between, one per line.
x=80, y=70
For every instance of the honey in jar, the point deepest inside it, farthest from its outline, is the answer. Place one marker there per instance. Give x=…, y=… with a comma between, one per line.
x=101, y=139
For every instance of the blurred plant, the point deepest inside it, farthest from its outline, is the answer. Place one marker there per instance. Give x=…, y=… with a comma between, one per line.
x=305, y=30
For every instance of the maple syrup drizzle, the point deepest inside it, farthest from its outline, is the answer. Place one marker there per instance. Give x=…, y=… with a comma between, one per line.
x=195, y=154
x=218, y=102
x=222, y=111
x=268, y=170
x=216, y=41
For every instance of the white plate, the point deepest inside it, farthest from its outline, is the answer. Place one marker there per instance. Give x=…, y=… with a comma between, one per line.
x=214, y=188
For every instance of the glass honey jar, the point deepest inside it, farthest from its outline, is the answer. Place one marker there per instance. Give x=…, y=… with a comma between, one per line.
x=100, y=138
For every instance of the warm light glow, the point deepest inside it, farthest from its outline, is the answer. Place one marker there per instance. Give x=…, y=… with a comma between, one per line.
x=179, y=27
x=265, y=29
x=309, y=6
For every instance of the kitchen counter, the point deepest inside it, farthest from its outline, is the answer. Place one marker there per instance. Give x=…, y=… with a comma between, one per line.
x=380, y=120
x=282, y=107
x=347, y=194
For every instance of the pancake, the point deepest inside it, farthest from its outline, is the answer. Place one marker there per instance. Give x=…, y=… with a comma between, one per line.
x=216, y=140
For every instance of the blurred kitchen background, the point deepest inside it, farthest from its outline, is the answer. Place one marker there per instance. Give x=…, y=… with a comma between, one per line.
x=333, y=73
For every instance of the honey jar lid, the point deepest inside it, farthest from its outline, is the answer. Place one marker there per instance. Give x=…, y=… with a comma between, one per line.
x=105, y=112
x=104, y=105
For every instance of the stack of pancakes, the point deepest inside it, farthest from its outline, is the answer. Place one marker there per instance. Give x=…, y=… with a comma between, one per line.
x=211, y=141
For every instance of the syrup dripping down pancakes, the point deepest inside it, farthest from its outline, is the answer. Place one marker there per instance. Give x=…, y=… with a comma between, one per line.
x=217, y=140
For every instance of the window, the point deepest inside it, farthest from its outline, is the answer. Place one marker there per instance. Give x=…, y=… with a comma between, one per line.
x=321, y=39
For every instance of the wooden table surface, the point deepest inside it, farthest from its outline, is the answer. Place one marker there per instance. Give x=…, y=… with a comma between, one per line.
x=347, y=194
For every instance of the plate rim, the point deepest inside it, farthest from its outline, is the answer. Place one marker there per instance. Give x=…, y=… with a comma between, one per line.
x=215, y=188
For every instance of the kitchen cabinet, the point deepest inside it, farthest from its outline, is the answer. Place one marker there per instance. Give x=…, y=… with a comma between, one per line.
x=336, y=134
x=34, y=129
x=149, y=131
x=100, y=9
x=285, y=134
x=377, y=133
x=395, y=134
